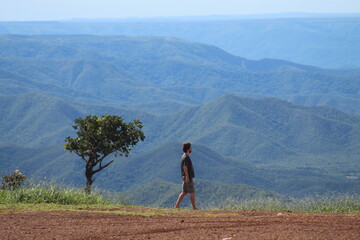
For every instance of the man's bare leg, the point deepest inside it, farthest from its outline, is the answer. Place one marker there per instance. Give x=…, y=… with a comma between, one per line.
x=180, y=198
x=192, y=198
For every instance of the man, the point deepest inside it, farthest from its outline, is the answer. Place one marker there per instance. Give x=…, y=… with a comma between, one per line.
x=187, y=172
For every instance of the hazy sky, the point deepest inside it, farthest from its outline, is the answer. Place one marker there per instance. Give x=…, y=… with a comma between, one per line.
x=25, y=10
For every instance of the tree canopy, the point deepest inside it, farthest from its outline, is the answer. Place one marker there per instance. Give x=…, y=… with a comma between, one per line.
x=97, y=138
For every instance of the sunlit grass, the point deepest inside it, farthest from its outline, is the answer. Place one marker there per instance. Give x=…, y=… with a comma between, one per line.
x=53, y=197
x=320, y=203
x=49, y=193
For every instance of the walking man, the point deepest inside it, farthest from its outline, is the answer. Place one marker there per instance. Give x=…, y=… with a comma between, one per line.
x=187, y=173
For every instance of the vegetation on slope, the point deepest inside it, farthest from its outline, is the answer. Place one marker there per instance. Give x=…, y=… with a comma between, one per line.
x=260, y=142
x=124, y=70
x=48, y=81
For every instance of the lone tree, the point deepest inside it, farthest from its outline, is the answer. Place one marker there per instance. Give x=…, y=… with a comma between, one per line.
x=100, y=137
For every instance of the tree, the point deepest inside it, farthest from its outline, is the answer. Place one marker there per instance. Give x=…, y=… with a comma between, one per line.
x=97, y=138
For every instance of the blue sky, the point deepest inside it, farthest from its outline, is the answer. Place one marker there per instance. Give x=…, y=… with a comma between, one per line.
x=35, y=10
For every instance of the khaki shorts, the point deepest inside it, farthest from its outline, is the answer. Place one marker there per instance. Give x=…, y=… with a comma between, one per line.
x=188, y=187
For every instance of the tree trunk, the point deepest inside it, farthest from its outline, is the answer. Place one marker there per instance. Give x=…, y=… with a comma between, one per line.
x=89, y=180
x=89, y=172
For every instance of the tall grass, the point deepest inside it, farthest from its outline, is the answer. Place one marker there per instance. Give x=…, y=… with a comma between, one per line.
x=320, y=203
x=43, y=192
x=49, y=193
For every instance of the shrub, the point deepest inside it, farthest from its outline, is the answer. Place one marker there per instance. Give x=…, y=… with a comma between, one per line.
x=13, y=181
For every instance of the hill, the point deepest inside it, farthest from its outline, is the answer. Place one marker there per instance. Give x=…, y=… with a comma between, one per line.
x=133, y=175
x=164, y=159
x=261, y=131
x=266, y=143
x=328, y=41
x=163, y=163
x=160, y=75
x=36, y=119
x=269, y=131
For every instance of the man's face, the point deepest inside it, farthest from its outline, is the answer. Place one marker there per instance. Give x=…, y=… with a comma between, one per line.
x=190, y=150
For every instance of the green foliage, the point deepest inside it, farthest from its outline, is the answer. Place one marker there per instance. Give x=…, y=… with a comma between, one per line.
x=97, y=138
x=49, y=193
x=13, y=181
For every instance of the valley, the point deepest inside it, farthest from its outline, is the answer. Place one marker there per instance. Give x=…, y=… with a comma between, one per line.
x=260, y=128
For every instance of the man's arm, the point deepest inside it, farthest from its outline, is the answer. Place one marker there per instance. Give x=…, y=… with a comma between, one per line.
x=187, y=179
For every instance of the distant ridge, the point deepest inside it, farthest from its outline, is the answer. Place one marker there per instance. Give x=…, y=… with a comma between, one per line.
x=145, y=71
x=214, y=17
x=324, y=40
x=204, y=18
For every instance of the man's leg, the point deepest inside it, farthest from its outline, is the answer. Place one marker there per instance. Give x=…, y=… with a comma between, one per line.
x=192, y=198
x=180, y=198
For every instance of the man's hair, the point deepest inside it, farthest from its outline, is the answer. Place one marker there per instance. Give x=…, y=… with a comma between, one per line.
x=186, y=146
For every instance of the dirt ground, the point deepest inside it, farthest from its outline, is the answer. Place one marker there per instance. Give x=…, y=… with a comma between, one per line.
x=146, y=223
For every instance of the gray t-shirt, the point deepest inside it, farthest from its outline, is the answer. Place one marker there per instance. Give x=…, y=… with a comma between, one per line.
x=186, y=161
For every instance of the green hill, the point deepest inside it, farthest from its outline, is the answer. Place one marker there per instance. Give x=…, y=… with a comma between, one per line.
x=265, y=132
x=35, y=119
x=266, y=143
x=130, y=174
x=165, y=162
x=269, y=131
x=161, y=75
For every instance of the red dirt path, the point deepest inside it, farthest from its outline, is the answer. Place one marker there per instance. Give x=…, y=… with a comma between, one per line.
x=117, y=224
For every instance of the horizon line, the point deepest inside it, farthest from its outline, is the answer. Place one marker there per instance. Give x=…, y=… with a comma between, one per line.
x=210, y=17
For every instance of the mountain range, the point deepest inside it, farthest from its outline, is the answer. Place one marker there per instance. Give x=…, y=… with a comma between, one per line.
x=328, y=41
x=161, y=75
x=250, y=135
x=266, y=143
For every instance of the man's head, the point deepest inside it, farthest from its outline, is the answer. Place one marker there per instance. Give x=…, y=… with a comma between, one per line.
x=186, y=147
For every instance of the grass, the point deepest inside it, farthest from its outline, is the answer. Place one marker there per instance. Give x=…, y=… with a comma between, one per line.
x=52, y=197
x=49, y=193
x=95, y=208
x=320, y=204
